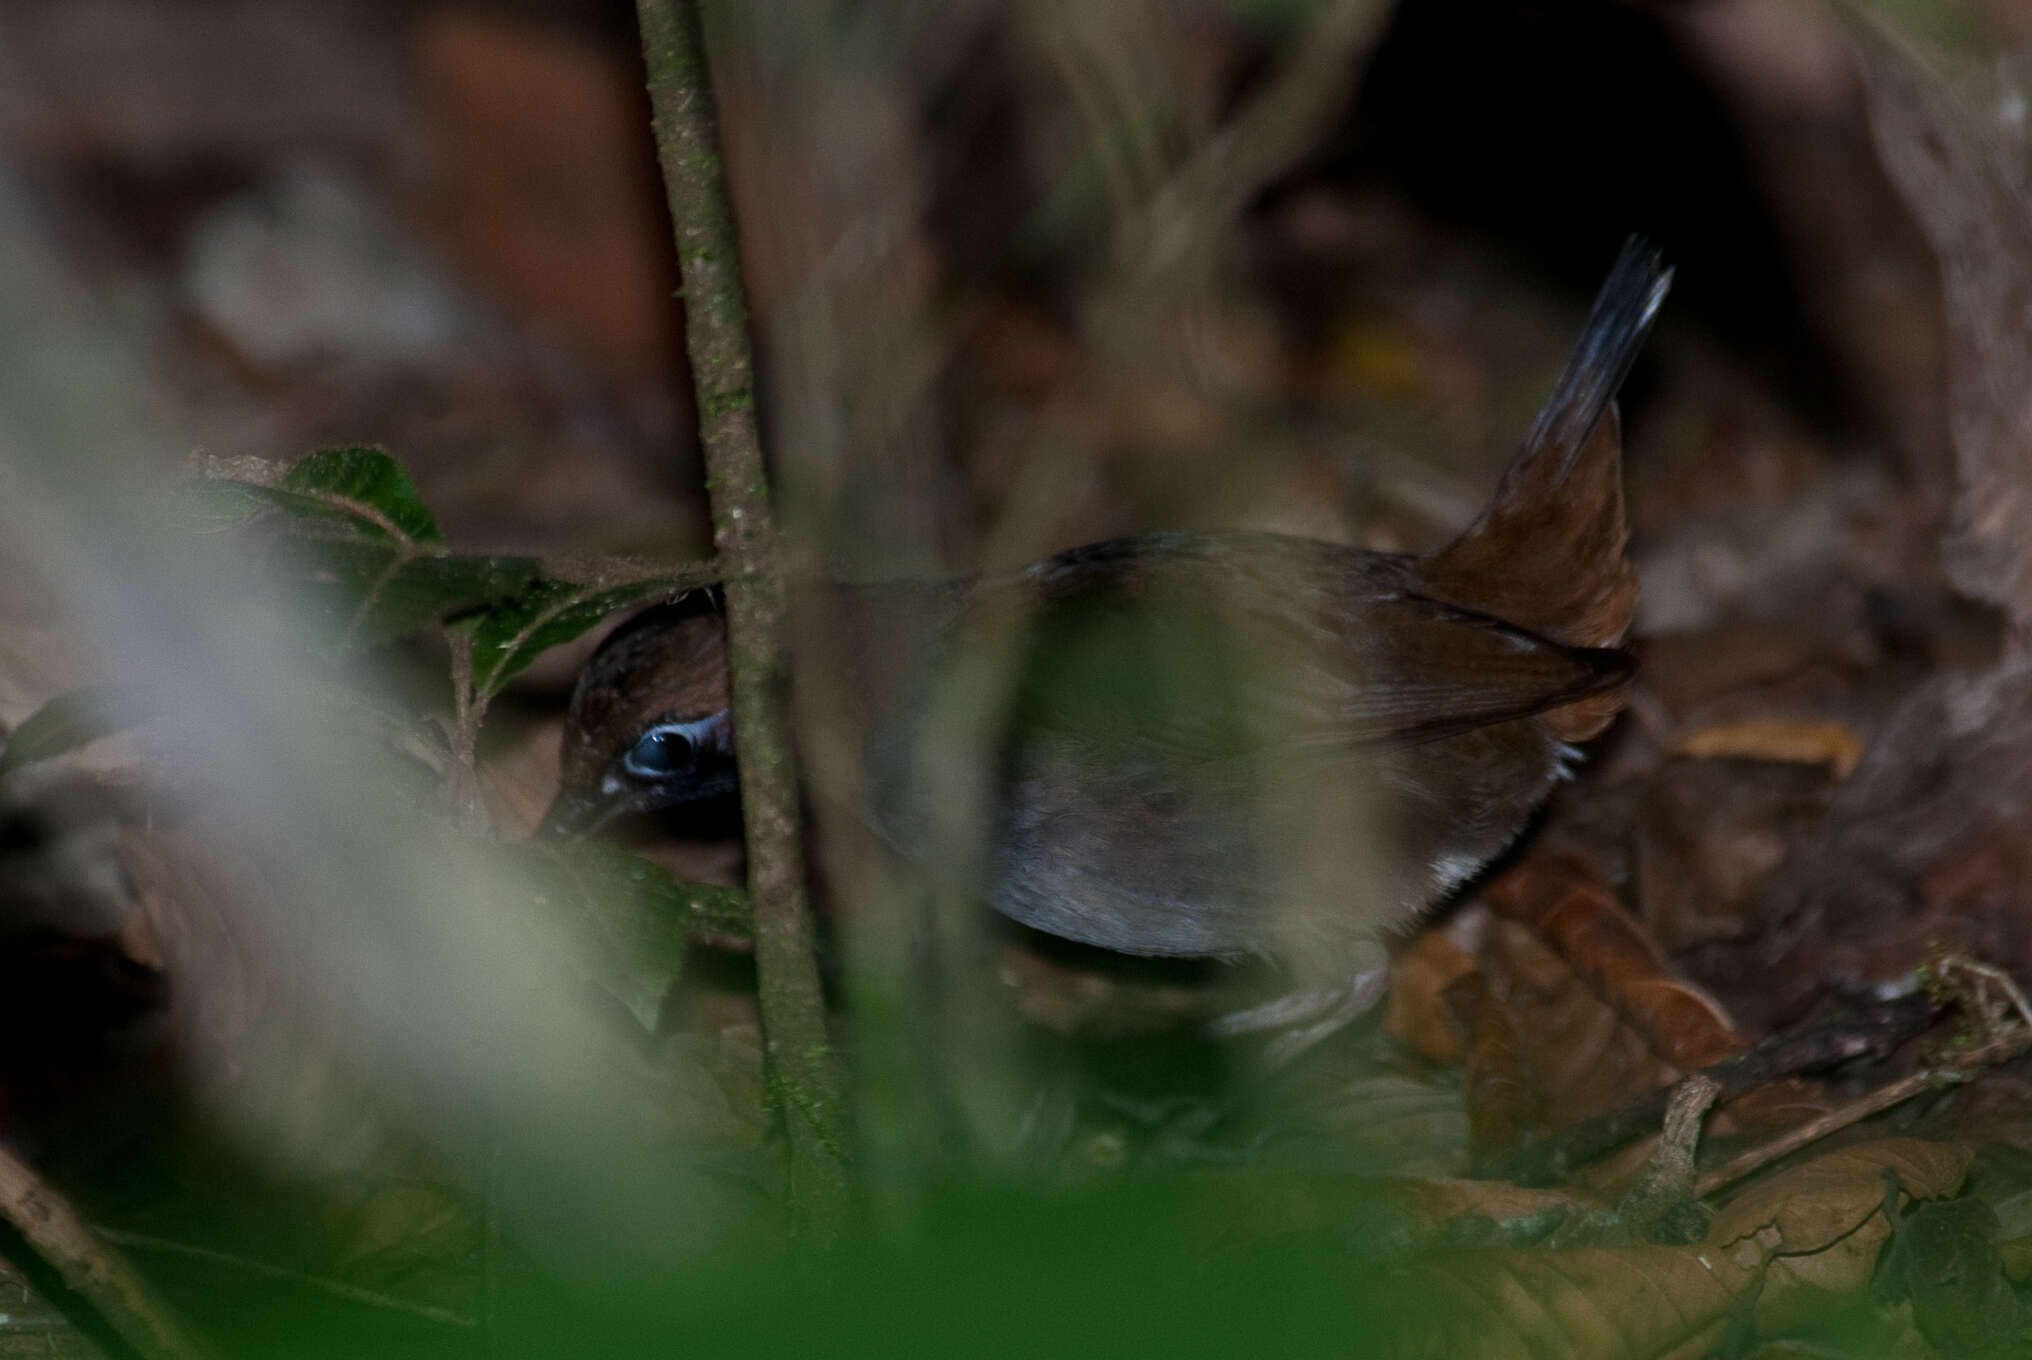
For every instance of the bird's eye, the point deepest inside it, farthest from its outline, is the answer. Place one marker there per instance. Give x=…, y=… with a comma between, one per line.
x=661, y=752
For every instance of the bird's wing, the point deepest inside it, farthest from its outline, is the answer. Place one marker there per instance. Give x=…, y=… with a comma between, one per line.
x=1185, y=678
x=1423, y=670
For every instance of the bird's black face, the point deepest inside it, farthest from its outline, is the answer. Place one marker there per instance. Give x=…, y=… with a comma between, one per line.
x=650, y=729
x=674, y=763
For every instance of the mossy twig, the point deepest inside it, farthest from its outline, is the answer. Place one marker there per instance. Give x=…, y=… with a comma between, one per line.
x=99, y=1275
x=803, y=1069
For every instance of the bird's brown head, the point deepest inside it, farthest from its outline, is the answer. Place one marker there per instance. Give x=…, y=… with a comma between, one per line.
x=649, y=726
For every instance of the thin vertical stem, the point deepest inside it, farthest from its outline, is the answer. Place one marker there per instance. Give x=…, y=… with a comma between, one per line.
x=803, y=1070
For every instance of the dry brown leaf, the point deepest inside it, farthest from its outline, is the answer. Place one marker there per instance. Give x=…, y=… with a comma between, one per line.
x=1571, y=1012
x=1819, y=1226
x=1417, y=1014
x=1799, y=740
x=1563, y=901
x=1788, y=1246
x=1501, y=1105
x=1569, y=1053
x=1585, y=1303
x=1812, y=1204
x=1780, y=1105
x=1431, y=1201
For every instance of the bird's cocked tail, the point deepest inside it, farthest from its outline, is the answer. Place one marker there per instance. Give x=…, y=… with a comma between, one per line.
x=1547, y=554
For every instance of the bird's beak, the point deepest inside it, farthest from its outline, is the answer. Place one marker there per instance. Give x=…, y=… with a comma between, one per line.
x=571, y=815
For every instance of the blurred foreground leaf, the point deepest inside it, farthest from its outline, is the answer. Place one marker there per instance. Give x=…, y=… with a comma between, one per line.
x=636, y=913
x=1785, y=1252
x=372, y=592
x=72, y=720
x=365, y=488
x=367, y=552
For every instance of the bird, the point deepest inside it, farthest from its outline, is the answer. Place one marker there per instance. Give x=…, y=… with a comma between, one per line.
x=649, y=725
x=1210, y=745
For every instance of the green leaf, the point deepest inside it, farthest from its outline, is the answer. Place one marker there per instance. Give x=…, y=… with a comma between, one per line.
x=367, y=556
x=364, y=488
x=367, y=487
x=72, y=720
x=636, y=913
x=304, y=506
x=509, y=636
x=371, y=592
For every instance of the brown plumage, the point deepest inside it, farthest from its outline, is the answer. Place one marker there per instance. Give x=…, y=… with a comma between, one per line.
x=1223, y=744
